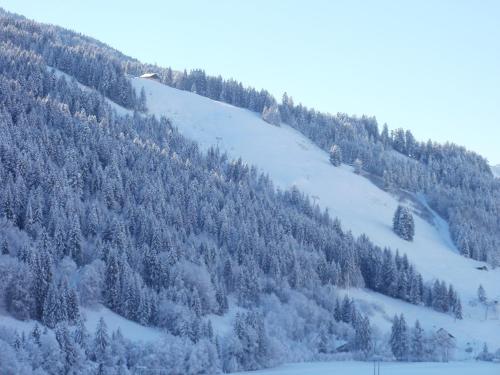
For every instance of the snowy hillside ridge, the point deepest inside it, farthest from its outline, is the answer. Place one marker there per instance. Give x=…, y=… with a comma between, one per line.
x=290, y=159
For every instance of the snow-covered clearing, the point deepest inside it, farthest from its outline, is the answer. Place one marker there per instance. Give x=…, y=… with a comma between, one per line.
x=388, y=368
x=223, y=325
x=129, y=329
x=291, y=159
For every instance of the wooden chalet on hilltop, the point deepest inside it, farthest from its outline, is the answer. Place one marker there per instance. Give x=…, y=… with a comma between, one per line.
x=153, y=76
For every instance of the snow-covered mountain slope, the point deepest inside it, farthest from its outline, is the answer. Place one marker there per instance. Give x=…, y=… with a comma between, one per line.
x=291, y=159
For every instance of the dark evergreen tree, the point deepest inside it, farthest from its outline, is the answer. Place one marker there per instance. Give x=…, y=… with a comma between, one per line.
x=42, y=278
x=323, y=341
x=347, y=310
x=55, y=308
x=18, y=297
x=74, y=240
x=73, y=310
x=36, y=334
x=5, y=247
x=72, y=355
x=152, y=268
x=337, y=313
x=101, y=343
x=81, y=337
x=399, y=340
x=481, y=294
x=417, y=344
x=363, y=340
x=403, y=223
x=457, y=309
x=113, y=281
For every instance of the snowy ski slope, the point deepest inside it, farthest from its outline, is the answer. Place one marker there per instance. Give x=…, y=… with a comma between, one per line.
x=291, y=159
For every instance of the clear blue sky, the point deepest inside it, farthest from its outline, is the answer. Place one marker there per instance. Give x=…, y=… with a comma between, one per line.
x=432, y=66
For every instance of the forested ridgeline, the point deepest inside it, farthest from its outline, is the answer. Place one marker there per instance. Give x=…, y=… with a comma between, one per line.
x=457, y=183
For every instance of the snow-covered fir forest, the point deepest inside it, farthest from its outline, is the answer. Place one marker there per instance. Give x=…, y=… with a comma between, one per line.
x=458, y=183
x=97, y=208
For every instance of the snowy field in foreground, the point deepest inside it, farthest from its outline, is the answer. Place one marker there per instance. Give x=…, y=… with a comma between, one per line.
x=392, y=368
x=291, y=159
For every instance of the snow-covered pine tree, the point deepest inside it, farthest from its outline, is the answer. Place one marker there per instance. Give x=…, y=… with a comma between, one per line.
x=112, y=290
x=55, y=307
x=387, y=179
x=152, y=269
x=384, y=136
x=74, y=240
x=193, y=88
x=337, y=312
x=335, y=155
x=396, y=220
x=403, y=223
x=399, y=340
x=439, y=296
x=72, y=354
x=324, y=341
x=363, y=339
x=417, y=345
x=485, y=354
x=398, y=140
x=18, y=295
x=457, y=309
x=72, y=306
x=481, y=294
x=36, y=334
x=82, y=336
x=101, y=342
x=272, y=115
x=4, y=247
x=347, y=310
x=42, y=278
x=142, y=101
x=358, y=166
x=388, y=273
